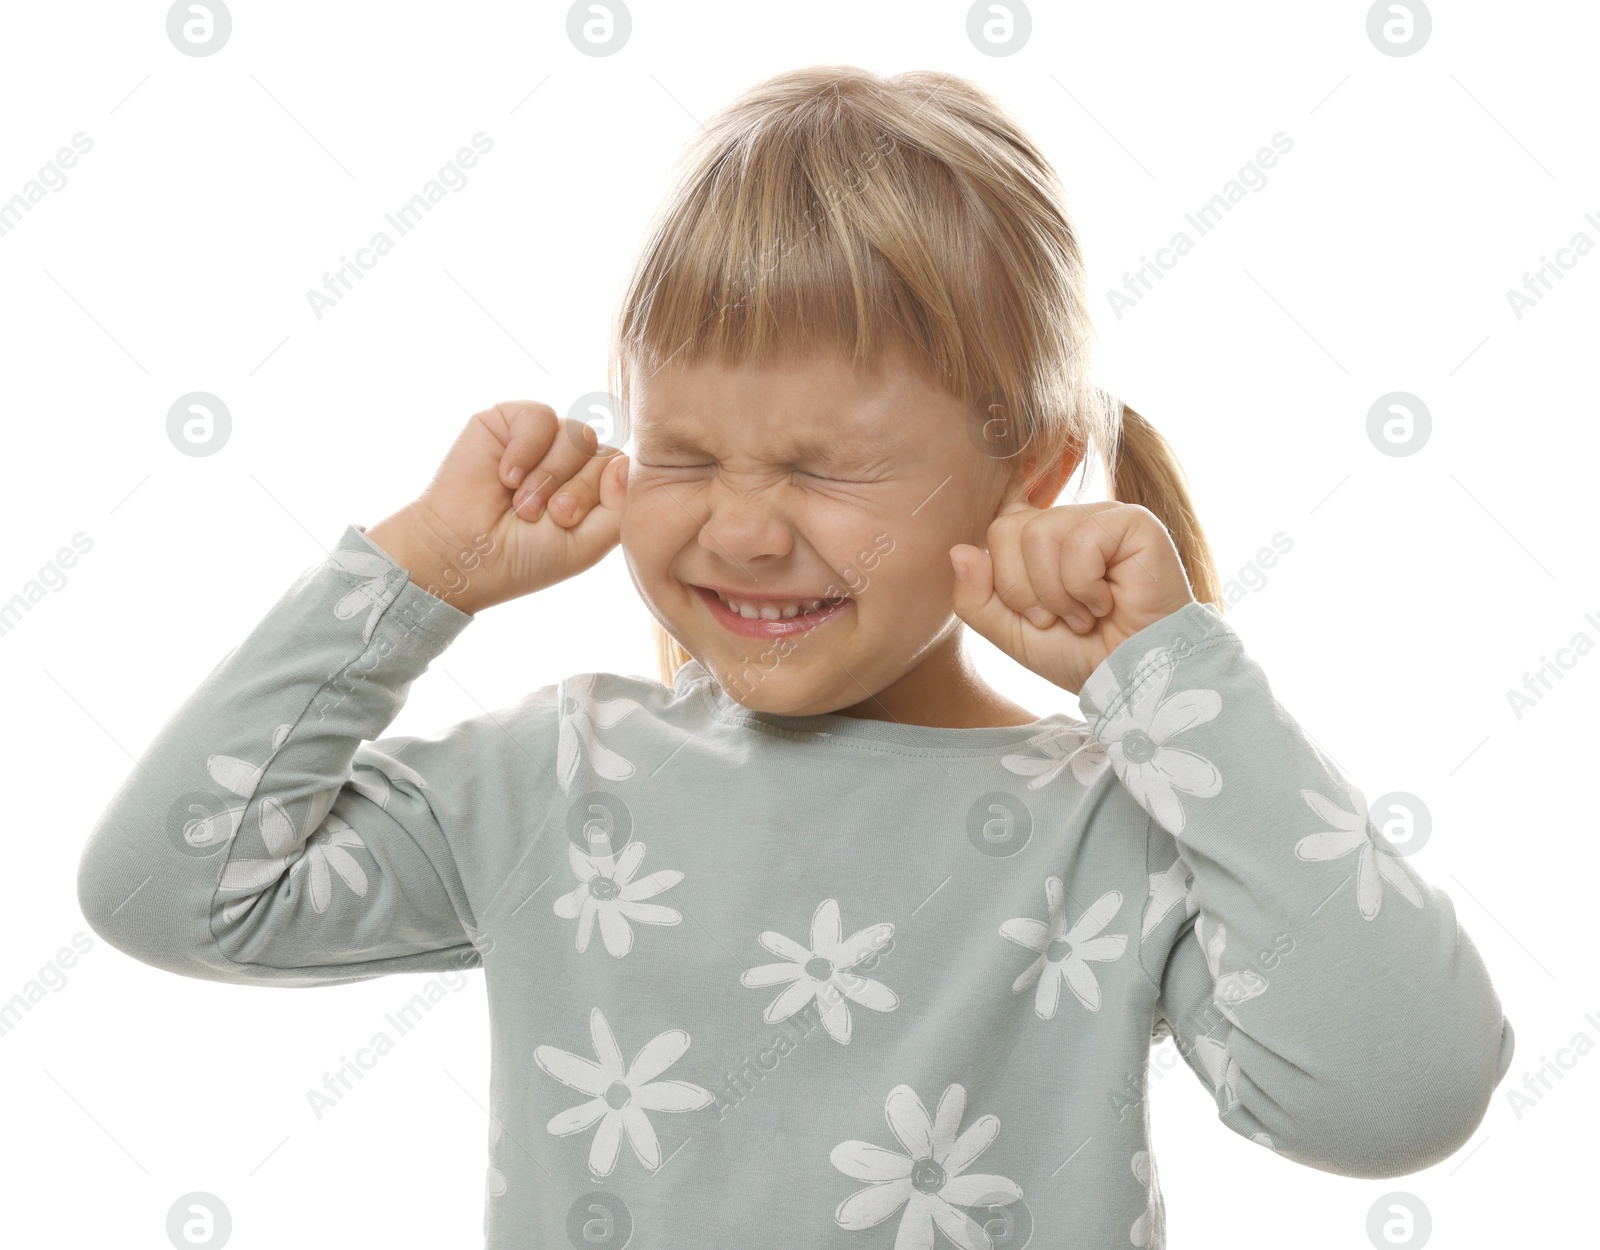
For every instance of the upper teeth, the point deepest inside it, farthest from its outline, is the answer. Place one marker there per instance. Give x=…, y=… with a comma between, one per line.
x=770, y=611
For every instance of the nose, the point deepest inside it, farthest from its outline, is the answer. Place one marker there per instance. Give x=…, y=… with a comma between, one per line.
x=744, y=525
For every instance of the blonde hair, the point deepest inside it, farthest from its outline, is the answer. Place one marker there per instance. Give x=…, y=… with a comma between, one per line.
x=832, y=208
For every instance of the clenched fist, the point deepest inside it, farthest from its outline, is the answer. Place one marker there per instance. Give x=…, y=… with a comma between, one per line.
x=523, y=499
x=1060, y=588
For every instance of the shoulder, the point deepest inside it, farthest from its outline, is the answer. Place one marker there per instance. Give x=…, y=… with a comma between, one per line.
x=606, y=720
x=590, y=692
x=593, y=720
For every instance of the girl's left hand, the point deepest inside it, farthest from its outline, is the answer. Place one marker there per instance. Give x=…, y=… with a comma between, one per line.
x=1110, y=565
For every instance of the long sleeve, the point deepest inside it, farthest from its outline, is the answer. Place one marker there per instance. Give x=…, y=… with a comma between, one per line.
x=262, y=836
x=1318, y=986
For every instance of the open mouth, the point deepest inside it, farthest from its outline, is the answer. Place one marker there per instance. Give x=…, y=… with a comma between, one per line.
x=770, y=620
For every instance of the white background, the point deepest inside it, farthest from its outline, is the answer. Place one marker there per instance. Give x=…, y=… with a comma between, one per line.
x=1418, y=590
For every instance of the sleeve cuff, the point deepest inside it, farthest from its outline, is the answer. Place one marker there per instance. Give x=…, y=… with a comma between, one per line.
x=1115, y=681
x=420, y=609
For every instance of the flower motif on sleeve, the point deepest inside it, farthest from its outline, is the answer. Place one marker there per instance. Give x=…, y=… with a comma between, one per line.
x=1065, y=954
x=371, y=594
x=239, y=778
x=930, y=1180
x=1352, y=831
x=620, y=1094
x=824, y=972
x=1072, y=745
x=607, y=891
x=581, y=713
x=1221, y=1068
x=384, y=771
x=1167, y=890
x=495, y=1181
x=328, y=841
x=1232, y=988
x=1137, y=736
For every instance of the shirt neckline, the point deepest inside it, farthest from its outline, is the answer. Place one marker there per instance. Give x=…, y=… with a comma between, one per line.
x=862, y=730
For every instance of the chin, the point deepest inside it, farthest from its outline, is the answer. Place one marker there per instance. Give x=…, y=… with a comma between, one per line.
x=774, y=692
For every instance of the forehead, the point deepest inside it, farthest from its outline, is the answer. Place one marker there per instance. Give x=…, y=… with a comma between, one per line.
x=815, y=406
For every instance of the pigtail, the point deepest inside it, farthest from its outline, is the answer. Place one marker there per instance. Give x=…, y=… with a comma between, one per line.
x=1144, y=470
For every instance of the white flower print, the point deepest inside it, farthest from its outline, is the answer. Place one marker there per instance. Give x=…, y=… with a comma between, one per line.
x=578, y=726
x=385, y=770
x=928, y=1180
x=1137, y=735
x=1071, y=745
x=328, y=840
x=1064, y=954
x=1352, y=831
x=496, y=1180
x=371, y=593
x=1143, y=1227
x=823, y=972
x=1167, y=890
x=238, y=777
x=620, y=1094
x=1232, y=988
x=1221, y=1067
x=607, y=891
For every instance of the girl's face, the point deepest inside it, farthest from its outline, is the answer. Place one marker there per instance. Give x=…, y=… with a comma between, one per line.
x=800, y=480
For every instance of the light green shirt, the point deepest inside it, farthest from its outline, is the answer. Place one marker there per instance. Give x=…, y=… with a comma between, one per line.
x=815, y=981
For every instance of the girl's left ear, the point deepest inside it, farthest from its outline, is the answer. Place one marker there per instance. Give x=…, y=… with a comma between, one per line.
x=1045, y=492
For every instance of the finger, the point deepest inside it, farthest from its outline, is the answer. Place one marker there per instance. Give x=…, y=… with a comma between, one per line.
x=577, y=495
x=1065, y=567
x=974, y=599
x=1104, y=540
x=563, y=459
x=600, y=528
x=1013, y=581
x=528, y=428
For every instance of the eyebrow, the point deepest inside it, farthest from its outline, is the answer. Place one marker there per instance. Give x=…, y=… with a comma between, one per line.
x=816, y=447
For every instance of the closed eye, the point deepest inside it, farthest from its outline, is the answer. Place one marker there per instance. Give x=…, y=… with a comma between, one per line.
x=821, y=477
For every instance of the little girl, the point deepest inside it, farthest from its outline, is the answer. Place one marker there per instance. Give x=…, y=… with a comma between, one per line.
x=820, y=941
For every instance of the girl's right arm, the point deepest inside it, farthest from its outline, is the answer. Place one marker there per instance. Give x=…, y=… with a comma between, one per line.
x=262, y=837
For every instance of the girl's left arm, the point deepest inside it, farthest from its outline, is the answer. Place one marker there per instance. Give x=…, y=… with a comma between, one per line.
x=1322, y=990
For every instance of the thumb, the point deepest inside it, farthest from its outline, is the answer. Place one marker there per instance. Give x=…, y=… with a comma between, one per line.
x=974, y=599
x=601, y=527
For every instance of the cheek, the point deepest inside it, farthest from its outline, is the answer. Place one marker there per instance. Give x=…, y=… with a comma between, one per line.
x=907, y=566
x=652, y=523
x=874, y=562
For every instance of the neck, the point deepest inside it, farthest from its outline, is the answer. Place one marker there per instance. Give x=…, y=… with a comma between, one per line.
x=942, y=691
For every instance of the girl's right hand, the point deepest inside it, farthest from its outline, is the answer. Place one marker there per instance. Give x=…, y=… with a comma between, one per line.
x=490, y=526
